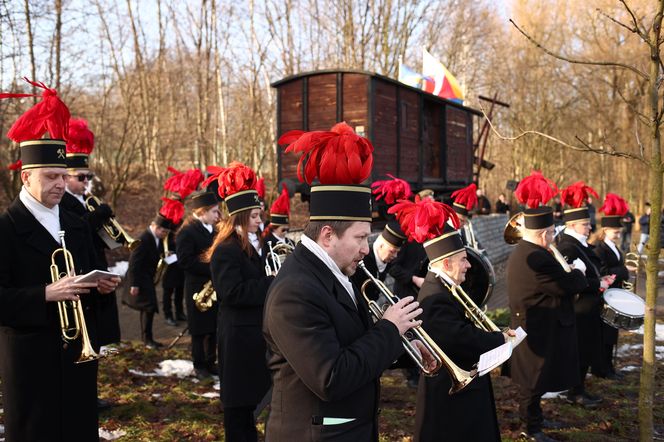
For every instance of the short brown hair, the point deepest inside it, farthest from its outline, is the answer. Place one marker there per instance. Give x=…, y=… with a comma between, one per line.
x=313, y=229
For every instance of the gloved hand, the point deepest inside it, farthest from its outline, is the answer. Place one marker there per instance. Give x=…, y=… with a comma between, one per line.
x=100, y=216
x=579, y=265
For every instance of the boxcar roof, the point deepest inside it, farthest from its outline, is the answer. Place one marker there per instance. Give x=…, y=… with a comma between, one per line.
x=429, y=96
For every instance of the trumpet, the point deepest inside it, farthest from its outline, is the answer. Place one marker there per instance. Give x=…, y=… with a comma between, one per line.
x=205, y=297
x=512, y=234
x=276, y=256
x=460, y=378
x=75, y=327
x=473, y=312
x=161, y=264
x=112, y=228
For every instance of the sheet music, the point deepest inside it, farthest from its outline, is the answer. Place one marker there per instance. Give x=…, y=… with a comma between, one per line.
x=493, y=358
x=170, y=259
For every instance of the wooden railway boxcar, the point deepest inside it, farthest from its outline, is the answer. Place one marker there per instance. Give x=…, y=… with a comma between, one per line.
x=421, y=138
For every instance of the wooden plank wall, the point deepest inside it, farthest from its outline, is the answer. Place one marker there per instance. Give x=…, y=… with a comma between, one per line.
x=385, y=129
x=408, y=134
x=290, y=118
x=322, y=101
x=356, y=101
x=459, y=146
x=431, y=139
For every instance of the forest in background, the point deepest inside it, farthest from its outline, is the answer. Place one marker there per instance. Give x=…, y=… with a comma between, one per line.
x=188, y=83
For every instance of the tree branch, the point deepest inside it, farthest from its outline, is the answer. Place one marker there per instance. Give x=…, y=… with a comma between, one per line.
x=641, y=32
x=575, y=61
x=634, y=30
x=583, y=148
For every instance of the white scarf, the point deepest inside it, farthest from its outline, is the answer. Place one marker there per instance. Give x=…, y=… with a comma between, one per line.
x=612, y=246
x=253, y=239
x=78, y=197
x=445, y=276
x=208, y=227
x=379, y=262
x=48, y=218
x=329, y=262
x=581, y=238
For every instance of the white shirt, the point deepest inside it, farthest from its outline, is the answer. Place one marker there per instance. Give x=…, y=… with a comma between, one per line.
x=48, y=218
x=612, y=246
x=154, y=236
x=445, y=276
x=321, y=254
x=581, y=238
x=78, y=197
x=379, y=263
x=253, y=239
x=208, y=227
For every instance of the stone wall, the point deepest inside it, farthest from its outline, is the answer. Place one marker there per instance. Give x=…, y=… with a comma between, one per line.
x=489, y=232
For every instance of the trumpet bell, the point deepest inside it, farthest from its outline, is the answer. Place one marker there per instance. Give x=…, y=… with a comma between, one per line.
x=512, y=233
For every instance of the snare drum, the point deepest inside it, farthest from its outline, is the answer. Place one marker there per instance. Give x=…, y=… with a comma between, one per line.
x=623, y=309
x=480, y=277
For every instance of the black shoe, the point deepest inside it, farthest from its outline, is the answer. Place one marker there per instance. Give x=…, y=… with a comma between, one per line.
x=152, y=344
x=170, y=321
x=537, y=436
x=103, y=404
x=180, y=316
x=584, y=399
x=202, y=374
x=552, y=425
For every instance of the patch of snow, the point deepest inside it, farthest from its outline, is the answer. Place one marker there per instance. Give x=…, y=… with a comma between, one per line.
x=659, y=332
x=141, y=373
x=630, y=368
x=552, y=394
x=2, y=429
x=659, y=352
x=111, y=435
x=217, y=385
x=180, y=368
x=209, y=395
x=156, y=394
x=120, y=268
x=626, y=349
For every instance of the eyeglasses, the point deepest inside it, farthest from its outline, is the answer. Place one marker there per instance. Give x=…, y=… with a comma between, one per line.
x=84, y=176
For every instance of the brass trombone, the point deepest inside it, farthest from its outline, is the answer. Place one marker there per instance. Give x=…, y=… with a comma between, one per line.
x=71, y=329
x=205, y=297
x=512, y=234
x=112, y=227
x=460, y=378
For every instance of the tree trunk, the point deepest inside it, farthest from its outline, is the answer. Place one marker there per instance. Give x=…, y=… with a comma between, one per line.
x=31, y=48
x=58, y=41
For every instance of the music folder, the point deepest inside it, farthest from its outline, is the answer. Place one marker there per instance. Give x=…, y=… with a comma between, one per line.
x=95, y=276
x=494, y=358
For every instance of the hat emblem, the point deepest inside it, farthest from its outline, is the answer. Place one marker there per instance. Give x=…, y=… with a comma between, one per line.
x=61, y=153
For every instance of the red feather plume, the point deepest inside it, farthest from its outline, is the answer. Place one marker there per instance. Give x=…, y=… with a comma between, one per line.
x=466, y=196
x=281, y=205
x=213, y=172
x=576, y=195
x=16, y=165
x=80, y=138
x=236, y=178
x=337, y=156
x=391, y=190
x=172, y=210
x=424, y=219
x=535, y=189
x=183, y=183
x=49, y=115
x=614, y=205
x=260, y=188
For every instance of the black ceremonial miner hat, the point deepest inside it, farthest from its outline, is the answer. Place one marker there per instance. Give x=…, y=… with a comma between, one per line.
x=203, y=199
x=538, y=218
x=393, y=234
x=43, y=153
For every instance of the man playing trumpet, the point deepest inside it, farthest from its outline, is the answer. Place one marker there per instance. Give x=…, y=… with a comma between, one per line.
x=468, y=414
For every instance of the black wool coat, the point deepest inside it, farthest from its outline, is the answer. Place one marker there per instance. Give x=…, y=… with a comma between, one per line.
x=326, y=357
x=410, y=261
x=109, y=320
x=610, y=264
x=469, y=414
x=588, y=303
x=241, y=286
x=192, y=240
x=174, y=274
x=141, y=271
x=541, y=295
x=46, y=396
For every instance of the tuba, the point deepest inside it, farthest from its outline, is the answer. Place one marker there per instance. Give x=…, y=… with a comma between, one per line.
x=512, y=234
x=205, y=297
x=72, y=320
x=161, y=264
x=112, y=228
x=276, y=256
x=460, y=378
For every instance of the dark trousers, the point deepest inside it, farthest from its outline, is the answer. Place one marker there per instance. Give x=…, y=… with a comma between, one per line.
x=204, y=351
x=239, y=424
x=530, y=410
x=176, y=294
x=146, y=325
x=581, y=387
